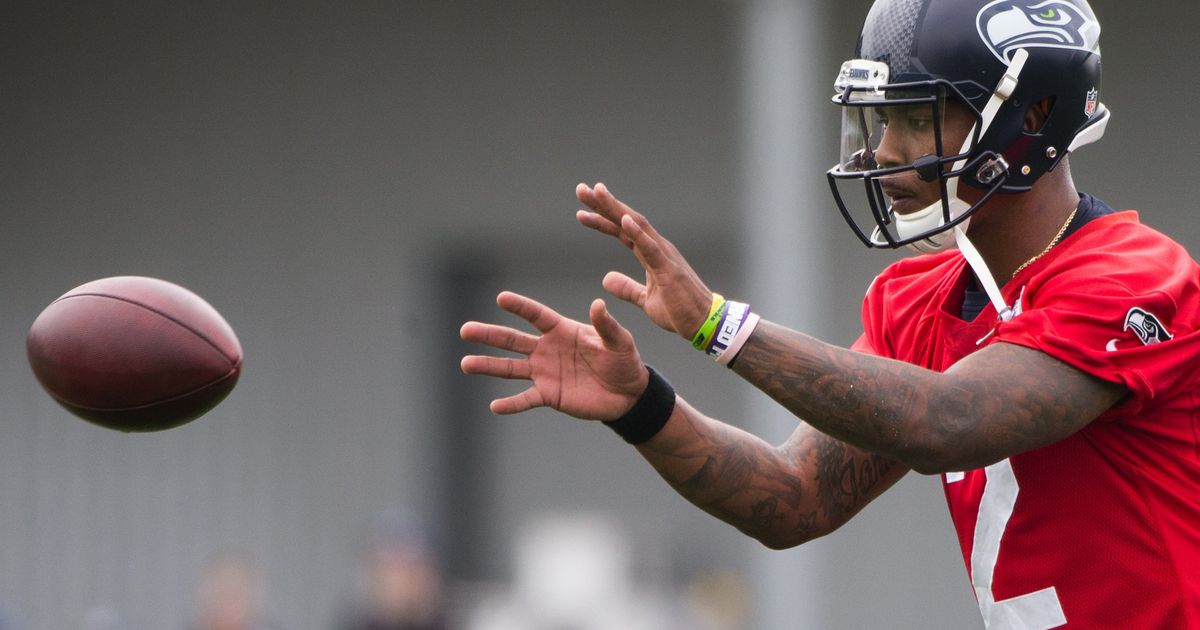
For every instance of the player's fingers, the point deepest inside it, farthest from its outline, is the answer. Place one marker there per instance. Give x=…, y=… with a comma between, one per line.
x=541, y=316
x=603, y=225
x=612, y=333
x=645, y=224
x=524, y=401
x=592, y=220
x=645, y=245
x=499, y=367
x=609, y=200
x=501, y=337
x=602, y=202
x=583, y=193
x=625, y=288
x=587, y=196
x=605, y=204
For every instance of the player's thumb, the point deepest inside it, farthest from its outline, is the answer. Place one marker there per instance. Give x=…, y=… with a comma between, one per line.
x=625, y=288
x=610, y=330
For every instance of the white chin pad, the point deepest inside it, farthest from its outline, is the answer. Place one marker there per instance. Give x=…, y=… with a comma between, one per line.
x=930, y=218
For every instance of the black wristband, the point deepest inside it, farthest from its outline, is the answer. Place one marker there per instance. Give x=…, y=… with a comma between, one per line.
x=649, y=414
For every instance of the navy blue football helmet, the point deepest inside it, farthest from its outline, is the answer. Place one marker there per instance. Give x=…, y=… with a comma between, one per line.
x=997, y=58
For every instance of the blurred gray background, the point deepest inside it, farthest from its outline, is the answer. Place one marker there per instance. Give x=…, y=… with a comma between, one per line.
x=347, y=182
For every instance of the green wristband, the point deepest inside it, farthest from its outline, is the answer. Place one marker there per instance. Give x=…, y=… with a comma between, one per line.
x=700, y=341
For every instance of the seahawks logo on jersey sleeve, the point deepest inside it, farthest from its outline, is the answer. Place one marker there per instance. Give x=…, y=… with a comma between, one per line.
x=1006, y=25
x=1146, y=326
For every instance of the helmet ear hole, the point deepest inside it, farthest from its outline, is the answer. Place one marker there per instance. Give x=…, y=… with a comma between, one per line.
x=1038, y=115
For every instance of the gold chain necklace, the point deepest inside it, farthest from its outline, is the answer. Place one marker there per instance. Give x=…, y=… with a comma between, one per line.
x=1054, y=241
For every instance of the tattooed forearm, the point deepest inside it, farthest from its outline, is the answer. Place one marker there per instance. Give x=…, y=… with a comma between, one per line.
x=782, y=495
x=1000, y=400
x=830, y=388
x=865, y=421
x=742, y=480
x=844, y=479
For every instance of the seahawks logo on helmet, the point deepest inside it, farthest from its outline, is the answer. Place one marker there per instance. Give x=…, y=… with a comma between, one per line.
x=1006, y=25
x=1146, y=326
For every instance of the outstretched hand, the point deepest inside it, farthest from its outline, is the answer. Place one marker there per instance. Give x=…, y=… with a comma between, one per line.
x=673, y=296
x=592, y=371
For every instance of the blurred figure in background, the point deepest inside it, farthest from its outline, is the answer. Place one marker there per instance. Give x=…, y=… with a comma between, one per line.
x=715, y=599
x=401, y=581
x=575, y=571
x=230, y=597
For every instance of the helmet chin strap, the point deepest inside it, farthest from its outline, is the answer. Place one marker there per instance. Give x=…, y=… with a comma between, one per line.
x=983, y=274
x=930, y=217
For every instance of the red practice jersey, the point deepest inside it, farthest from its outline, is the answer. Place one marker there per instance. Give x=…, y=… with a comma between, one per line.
x=1102, y=529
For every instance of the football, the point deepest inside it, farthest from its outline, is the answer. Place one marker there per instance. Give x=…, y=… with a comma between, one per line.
x=133, y=353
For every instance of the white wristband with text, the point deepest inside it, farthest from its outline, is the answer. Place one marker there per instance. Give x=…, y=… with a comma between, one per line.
x=737, y=338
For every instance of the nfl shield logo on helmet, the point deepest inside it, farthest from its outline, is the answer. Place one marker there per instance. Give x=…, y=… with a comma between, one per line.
x=1093, y=97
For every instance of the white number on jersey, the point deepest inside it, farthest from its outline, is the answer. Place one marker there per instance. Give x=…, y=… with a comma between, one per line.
x=1032, y=611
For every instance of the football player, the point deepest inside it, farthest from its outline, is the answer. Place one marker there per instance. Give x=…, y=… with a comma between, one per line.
x=1039, y=354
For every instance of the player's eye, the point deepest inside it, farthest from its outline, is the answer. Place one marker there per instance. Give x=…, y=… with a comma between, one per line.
x=917, y=123
x=881, y=116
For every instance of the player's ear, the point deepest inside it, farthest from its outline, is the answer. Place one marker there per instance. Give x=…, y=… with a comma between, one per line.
x=1037, y=114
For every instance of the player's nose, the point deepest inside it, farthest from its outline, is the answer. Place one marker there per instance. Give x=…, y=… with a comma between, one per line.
x=890, y=151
